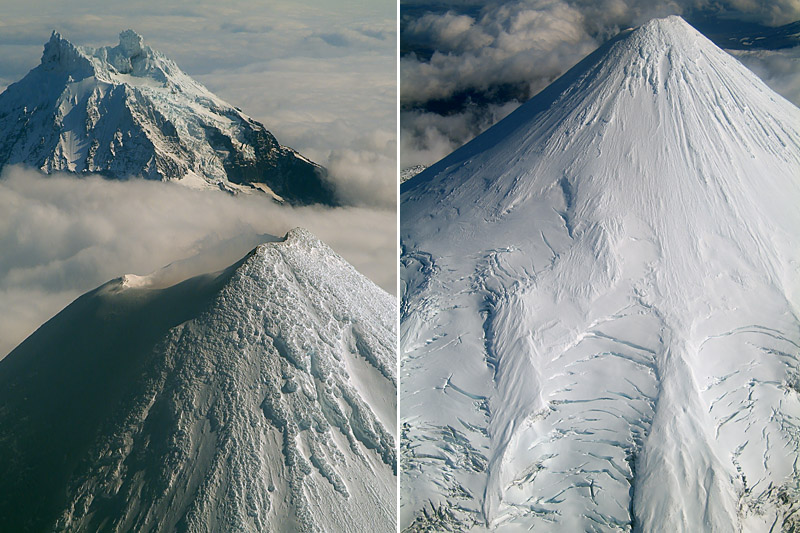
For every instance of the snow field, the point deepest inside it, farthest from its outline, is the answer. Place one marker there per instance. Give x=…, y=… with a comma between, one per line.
x=600, y=297
x=238, y=409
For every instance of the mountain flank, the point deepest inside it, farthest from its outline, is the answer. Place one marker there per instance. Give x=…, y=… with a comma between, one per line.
x=128, y=111
x=601, y=297
x=259, y=398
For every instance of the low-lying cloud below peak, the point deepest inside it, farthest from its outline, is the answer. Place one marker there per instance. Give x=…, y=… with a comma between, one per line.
x=63, y=235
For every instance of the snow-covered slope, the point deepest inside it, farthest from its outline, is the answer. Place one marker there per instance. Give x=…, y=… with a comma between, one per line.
x=128, y=111
x=600, y=305
x=260, y=398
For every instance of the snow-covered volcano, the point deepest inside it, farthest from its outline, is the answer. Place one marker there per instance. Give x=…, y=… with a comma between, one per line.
x=600, y=305
x=260, y=398
x=128, y=111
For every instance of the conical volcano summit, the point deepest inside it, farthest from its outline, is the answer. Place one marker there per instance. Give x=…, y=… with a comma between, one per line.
x=601, y=297
x=128, y=111
x=259, y=398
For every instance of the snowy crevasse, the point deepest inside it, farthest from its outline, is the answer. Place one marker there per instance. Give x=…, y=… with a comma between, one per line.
x=601, y=298
x=261, y=398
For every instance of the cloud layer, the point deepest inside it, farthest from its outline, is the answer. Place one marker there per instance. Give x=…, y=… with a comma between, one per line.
x=513, y=43
x=467, y=63
x=62, y=236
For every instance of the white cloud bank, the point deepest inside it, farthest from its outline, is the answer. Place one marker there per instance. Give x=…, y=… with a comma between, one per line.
x=61, y=236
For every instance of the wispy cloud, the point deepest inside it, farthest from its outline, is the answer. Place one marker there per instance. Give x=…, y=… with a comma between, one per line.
x=63, y=235
x=427, y=137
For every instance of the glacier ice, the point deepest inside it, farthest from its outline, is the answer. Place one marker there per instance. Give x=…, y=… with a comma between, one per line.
x=599, y=316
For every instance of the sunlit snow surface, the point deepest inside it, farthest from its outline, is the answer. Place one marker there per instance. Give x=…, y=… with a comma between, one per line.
x=261, y=398
x=128, y=111
x=599, y=318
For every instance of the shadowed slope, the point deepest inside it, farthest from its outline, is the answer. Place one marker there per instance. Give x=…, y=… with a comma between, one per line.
x=260, y=398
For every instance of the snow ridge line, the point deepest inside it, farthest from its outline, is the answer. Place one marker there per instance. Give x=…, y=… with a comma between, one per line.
x=511, y=356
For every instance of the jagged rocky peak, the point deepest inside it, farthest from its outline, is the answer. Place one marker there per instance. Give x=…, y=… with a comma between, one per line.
x=132, y=56
x=61, y=54
x=130, y=49
x=131, y=43
x=128, y=111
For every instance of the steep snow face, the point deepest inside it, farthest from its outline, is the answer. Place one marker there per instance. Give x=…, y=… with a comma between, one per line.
x=599, y=325
x=261, y=398
x=128, y=111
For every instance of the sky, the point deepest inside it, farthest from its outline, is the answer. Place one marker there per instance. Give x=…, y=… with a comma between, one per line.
x=320, y=75
x=467, y=64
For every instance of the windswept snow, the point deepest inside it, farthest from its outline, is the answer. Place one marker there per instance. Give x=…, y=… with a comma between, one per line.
x=599, y=322
x=260, y=398
x=128, y=111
